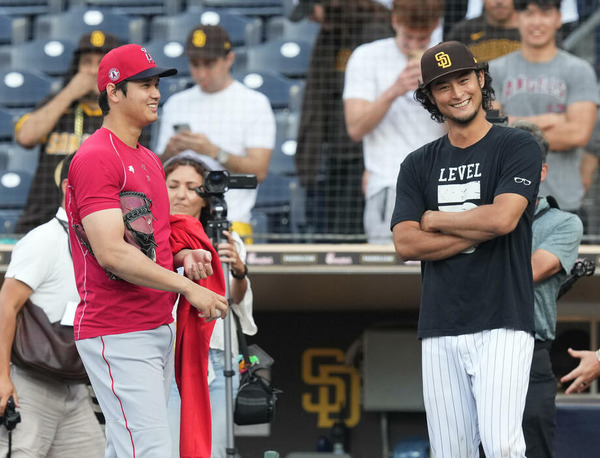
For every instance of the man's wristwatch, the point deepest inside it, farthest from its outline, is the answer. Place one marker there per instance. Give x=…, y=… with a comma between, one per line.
x=241, y=276
x=222, y=156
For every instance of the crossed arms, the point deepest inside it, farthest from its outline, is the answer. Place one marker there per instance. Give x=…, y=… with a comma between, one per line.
x=564, y=131
x=440, y=235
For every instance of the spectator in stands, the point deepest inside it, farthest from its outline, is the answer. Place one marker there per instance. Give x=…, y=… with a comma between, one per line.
x=380, y=109
x=329, y=163
x=184, y=173
x=57, y=418
x=457, y=10
x=585, y=373
x=553, y=89
x=591, y=157
x=60, y=124
x=220, y=118
x=491, y=35
x=556, y=238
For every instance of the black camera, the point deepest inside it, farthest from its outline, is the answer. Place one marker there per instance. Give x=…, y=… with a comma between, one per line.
x=11, y=417
x=218, y=182
x=495, y=117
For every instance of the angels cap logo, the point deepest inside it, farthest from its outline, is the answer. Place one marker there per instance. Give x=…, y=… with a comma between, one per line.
x=443, y=60
x=148, y=56
x=114, y=74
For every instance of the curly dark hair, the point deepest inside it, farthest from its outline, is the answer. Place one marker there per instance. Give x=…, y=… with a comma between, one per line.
x=423, y=95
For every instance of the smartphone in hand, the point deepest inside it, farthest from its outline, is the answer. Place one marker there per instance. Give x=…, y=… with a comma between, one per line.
x=181, y=128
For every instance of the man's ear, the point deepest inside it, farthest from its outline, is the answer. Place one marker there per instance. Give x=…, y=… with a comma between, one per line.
x=544, y=171
x=395, y=23
x=481, y=78
x=429, y=95
x=111, y=92
x=230, y=59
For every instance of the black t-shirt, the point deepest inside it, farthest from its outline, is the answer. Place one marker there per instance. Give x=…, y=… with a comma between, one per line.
x=489, y=286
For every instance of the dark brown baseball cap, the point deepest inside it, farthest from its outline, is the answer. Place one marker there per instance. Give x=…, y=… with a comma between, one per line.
x=97, y=41
x=445, y=58
x=207, y=42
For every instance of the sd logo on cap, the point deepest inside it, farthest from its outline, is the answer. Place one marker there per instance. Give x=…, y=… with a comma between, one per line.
x=445, y=58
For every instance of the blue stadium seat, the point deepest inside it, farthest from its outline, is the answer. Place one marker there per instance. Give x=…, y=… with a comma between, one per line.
x=51, y=57
x=79, y=20
x=23, y=88
x=134, y=7
x=282, y=159
x=413, y=447
x=170, y=86
x=282, y=199
x=14, y=188
x=8, y=220
x=237, y=3
x=3, y=156
x=282, y=92
x=255, y=8
x=31, y=7
x=287, y=123
x=260, y=225
x=7, y=123
x=19, y=157
x=281, y=28
x=242, y=30
x=13, y=29
x=169, y=53
x=288, y=57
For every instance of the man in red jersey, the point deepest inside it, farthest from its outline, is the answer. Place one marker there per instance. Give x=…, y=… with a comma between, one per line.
x=123, y=324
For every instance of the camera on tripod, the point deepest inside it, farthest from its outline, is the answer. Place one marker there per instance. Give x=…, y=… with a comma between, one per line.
x=219, y=182
x=216, y=183
x=11, y=417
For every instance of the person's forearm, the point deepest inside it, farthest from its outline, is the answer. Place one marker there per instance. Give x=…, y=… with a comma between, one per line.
x=362, y=119
x=41, y=122
x=238, y=289
x=170, y=151
x=130, y=264
x=249, y=165
x=589, y=164
x=415, y=244
x=568, y=135
x=480, y=224
x=7, y=334
x=563, y=131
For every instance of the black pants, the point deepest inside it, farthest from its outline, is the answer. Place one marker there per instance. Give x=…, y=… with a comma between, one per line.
x=539, y=419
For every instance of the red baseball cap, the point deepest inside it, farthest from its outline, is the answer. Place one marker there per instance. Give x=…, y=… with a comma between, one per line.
x=129, y=62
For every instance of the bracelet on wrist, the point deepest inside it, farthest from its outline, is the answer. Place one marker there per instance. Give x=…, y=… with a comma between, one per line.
x=598, y=354
x=241, y=276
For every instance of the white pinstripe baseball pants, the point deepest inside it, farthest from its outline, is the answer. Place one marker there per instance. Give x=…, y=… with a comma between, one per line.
x=474, y=387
